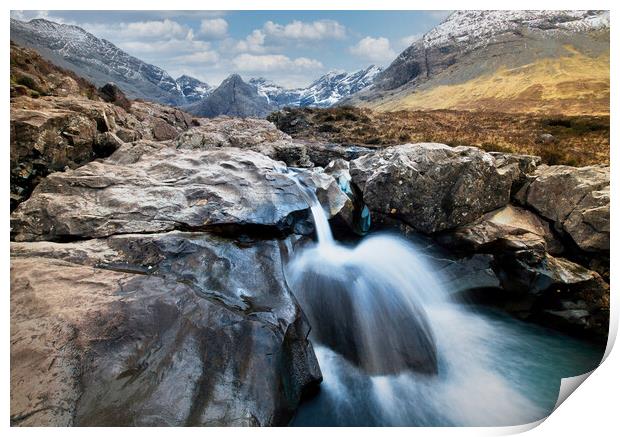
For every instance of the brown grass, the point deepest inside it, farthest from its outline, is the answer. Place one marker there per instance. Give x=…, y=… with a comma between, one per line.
x=575, y=140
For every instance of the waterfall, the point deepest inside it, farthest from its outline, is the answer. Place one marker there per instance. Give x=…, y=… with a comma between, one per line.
x=393, y=348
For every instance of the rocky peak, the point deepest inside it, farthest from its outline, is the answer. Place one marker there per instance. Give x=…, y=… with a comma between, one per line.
x=193, y=89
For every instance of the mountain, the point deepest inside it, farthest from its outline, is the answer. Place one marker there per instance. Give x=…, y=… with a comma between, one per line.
x=98, y=60
x=233, y=97
x=193, y=89
x=324, y=92
x=508, y=61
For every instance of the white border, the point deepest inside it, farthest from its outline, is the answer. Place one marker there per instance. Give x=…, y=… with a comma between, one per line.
x=592, y=411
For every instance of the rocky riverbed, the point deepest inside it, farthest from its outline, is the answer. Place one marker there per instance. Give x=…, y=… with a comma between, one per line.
x=148, y=252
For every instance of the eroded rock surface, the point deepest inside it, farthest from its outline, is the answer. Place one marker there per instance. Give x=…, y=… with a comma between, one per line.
x=162, y=329
x=167, y=189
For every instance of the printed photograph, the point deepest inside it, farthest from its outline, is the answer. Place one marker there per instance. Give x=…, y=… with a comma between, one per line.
x=306, y=218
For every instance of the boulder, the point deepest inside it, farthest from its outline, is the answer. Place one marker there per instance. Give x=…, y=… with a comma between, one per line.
x=113, y=94
x=245, y=133
x=575, y=199
x=222, y=190
x=507, y=229
x=156, y=330
x=431, y=187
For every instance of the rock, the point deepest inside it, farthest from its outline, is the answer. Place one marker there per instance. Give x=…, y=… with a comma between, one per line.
x=468, y=273
x=355, y=215
x=113, y=94
x=557, y=284
x=322, y=154
x=576, y=199
x=519, y=167
x=51, y=133
x=247, y=133
x=151, y=330
x=221, y=190
x=429, y=186
x=507, y=229
x=545, y=138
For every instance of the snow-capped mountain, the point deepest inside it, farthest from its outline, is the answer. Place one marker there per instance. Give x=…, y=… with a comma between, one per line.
x=326, y=91
x=96, y=59
x=193, y=89
x=509, y=61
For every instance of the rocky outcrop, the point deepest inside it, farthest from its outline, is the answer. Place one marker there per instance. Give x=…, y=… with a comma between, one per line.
x=431, y=187
x=156, y=330
x=50, y=134
x=575, y=199
x=167, y=189
x=507, y=229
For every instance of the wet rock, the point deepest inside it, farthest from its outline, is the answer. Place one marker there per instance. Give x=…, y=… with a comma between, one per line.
x=557, y=285
x=155, y=330
x=467, y=273
x=575, y=199
x=221, y=190
x=431, y=187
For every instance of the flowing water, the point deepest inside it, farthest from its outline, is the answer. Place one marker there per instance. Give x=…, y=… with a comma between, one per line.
x=394, y=349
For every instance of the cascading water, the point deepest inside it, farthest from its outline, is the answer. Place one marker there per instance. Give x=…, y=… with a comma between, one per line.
x=395, y=350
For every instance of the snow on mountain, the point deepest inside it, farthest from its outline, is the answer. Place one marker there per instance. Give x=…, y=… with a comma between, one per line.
x=96, y=59
x=326, y=91
x=477, y=28
x=193, y=89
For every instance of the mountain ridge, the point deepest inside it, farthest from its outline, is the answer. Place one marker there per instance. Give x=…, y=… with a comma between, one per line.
x=473, y=50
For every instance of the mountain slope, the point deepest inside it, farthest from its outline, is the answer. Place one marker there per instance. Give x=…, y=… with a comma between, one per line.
x=96, y=59
x=233, y=97
x=511, y=61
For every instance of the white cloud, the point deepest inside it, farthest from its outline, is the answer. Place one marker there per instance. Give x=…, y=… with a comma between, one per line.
x=406, y=41
x=140, y=30
x=214, y=28
x=373, y=49
x=154, y=29
x=439, y=15
x=253, y=43
x=313, y=31
x=199, y=58
x=262, y=63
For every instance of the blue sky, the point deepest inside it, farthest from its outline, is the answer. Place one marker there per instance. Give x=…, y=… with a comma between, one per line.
x=290, y=47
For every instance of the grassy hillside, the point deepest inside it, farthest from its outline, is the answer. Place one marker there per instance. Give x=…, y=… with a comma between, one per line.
x=570, y=85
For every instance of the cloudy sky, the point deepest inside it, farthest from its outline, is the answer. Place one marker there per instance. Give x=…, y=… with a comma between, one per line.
x=290, y=47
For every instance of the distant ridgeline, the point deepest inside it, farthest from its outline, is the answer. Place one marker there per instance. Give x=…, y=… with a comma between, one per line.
x=504, y=61
x=101, y=62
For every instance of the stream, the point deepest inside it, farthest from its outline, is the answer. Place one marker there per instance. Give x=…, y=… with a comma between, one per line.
x=396, y=350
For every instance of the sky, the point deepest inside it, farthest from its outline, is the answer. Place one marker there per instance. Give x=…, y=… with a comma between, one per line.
x=292, y=48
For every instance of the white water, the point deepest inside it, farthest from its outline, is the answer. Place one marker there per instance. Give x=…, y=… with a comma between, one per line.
x=380, y=305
